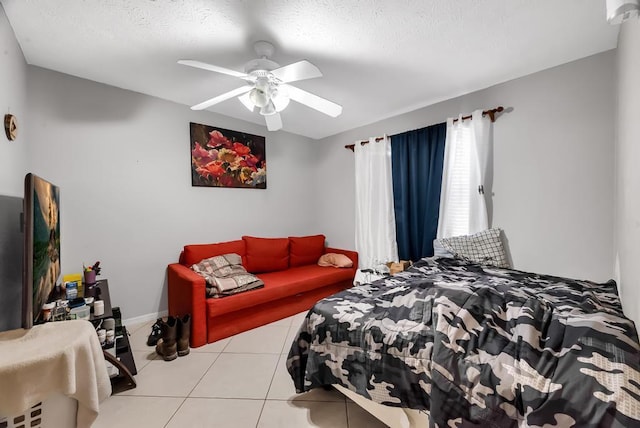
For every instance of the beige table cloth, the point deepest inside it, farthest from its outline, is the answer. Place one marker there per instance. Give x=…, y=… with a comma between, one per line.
x=63, y=357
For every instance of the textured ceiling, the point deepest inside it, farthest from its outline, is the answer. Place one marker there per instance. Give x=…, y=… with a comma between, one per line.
x=379, y=58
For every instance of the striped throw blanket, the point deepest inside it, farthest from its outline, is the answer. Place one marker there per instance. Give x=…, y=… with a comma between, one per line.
x=225, y=275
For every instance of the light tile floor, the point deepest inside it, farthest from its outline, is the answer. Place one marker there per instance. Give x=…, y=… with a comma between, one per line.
x=238, y=382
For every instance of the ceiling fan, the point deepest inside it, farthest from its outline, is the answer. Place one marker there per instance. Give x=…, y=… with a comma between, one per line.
x=268, y=86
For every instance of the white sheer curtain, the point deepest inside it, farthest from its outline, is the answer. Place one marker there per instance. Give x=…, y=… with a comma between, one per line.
x=463, y=208
x=375, y=218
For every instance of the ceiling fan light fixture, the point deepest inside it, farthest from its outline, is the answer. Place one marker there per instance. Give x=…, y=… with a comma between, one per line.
x=258, y=97
x=280, y=99
x=268, y=109
x=246, y=101
x=619, y=11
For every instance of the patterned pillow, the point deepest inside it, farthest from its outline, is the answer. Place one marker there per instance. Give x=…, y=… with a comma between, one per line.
x=225, y=275
x=484, y=247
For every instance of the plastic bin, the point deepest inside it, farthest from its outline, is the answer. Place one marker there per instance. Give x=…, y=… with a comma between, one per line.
x=80, y=313
x=56, y=411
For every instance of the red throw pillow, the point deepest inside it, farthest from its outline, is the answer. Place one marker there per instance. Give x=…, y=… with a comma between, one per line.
x=193, y=254
x=266, y=254
x=305, y=250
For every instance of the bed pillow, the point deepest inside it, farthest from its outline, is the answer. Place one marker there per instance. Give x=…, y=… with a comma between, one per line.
x=266, y=254
x=335, y=260
x=305, y=250
x=226, y=276
x=439, y=251
x=484, y=247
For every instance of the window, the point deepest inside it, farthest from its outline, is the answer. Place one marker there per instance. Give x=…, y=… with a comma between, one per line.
x=463, y=209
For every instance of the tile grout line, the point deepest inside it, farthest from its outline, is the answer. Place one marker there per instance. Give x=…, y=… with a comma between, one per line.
x=234, y=398
x=285, y=340
x=144, y=366
x=204, y=374
x=346, y=412
x=266, y=397
x=227, y=344
x=264, y=402
x=174, y=413
x=148, y=396
x=192, y=389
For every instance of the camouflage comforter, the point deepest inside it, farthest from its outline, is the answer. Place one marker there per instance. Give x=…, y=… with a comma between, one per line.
x=476, y=346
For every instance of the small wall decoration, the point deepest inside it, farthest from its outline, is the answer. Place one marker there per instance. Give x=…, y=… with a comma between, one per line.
x=10, y=126
x=224, y=158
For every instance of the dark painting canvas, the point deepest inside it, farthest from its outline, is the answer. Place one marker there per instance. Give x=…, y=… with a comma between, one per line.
x=43, y=240
x=225, y=158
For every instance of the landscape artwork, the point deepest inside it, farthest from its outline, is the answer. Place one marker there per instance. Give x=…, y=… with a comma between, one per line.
x=225, y=158
x=46, y=241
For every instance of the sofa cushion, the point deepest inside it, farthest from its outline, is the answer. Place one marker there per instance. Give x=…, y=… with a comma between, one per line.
x=305, y=250
x=303, y=278
x=335, y=260
x=281, y=284
x=266, y=254
x=193, y=254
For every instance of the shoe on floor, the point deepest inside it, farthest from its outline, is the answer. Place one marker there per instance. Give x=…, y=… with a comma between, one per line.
x=167, y=346
x=156, y=333
x=183, y=333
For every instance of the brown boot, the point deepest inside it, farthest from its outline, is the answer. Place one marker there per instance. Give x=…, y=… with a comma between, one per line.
x=167, y=346
x=184, y=330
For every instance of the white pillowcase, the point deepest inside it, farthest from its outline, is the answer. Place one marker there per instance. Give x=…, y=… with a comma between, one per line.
x=439, y=251
x=484, y=247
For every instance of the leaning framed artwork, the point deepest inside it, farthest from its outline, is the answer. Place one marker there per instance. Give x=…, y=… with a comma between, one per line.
x=225, y=158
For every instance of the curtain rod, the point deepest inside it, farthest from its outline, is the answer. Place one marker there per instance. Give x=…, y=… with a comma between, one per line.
x=491, y=113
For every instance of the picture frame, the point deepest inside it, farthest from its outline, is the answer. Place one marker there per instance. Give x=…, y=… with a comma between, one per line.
x=226, y=158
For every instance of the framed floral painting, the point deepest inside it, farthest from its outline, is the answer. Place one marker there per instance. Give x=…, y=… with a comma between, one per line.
x=224, y=158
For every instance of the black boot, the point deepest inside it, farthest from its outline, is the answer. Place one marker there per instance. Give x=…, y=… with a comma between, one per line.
x=167, y=345
x=184, y=332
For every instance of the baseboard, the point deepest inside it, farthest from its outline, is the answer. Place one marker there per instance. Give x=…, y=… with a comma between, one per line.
x=145, y=318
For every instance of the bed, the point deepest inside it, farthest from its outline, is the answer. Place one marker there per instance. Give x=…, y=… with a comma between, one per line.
x=468, y=345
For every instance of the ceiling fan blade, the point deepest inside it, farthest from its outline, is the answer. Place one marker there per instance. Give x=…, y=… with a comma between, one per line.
x=274, y=122
x=300, y=70
x=315, y=102
x=215, y=100
x=246, y=101
x=211, y=67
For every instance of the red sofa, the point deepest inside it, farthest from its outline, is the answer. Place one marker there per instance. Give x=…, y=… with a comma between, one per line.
x=293, y=282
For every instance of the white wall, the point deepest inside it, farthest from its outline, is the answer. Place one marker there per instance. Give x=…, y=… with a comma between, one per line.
x=627, y=227
x=13, y=90
x=553, y=180
x=122, y=161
